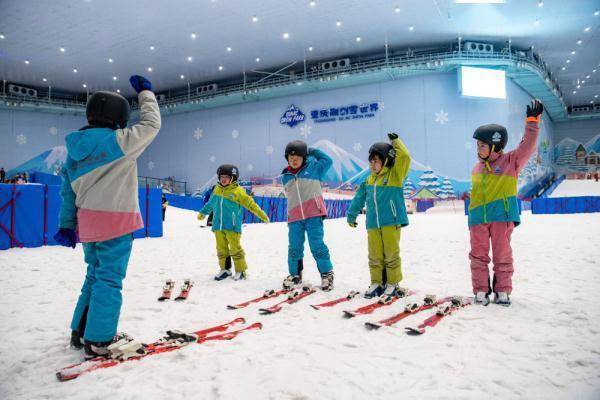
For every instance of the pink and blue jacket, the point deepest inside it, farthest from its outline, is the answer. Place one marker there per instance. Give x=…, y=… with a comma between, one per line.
x=100, y=184
x=494, y=193
x=303, y=188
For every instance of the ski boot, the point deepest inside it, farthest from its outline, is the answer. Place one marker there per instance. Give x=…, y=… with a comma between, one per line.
x=238, y=276
x=291, y=281
x=502, y=299
x=223, y=274
x=327, y=281
x=375, y=290
x=76, y=340
x=482, y=298
x=121, y=347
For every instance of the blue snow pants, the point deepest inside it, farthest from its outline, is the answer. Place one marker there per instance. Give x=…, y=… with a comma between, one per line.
x=313, y=228
x=101, y=292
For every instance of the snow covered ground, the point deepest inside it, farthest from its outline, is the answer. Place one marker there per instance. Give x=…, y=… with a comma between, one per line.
x=545, y=346
x=576, y=187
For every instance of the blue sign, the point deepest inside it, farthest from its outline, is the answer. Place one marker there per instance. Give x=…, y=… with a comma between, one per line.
x=351, y=112
x=292, y=116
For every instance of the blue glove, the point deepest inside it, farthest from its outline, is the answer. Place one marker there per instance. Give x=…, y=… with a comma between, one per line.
x=66, y=237
x=139, y=83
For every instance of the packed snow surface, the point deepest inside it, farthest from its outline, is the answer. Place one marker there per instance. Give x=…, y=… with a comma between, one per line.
x=572, y=188
x=546, y=345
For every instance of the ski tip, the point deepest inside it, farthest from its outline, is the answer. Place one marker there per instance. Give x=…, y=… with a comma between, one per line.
x=256, y=325
x=240, y=320
x=229, y=307
x=372, y=326
x=64, y=378
x=413, y=331
x=349, y=314
x=315, y=307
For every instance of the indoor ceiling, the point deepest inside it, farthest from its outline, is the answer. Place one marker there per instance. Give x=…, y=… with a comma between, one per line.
x=67, y=44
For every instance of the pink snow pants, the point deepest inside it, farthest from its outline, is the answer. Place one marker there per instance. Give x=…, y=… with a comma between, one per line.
x=498, y=233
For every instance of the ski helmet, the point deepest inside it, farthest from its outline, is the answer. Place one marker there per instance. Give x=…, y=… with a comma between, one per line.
x=494, y=135
x=385, y=152
x=108, y=110
x=229, y=170
x=296, y=148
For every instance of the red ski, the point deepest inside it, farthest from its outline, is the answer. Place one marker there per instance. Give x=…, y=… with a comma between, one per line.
x=172, y=342
x=382, y=302
x=185, y=290
x=332, y=303
x=167, y=289
x=442, y=311
x=269, y=294
x=293, y=297
x=410, y=309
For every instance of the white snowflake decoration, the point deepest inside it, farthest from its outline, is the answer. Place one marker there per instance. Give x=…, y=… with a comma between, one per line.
x=269, y=149
x=235, y=134
x=198, y=133
x=21, y=139
x=441, y=117
x=305, y=131
x=150, y=165
x=212, y=159
x=53, y=130
x=250, y=167
x=357, y=147
x=381, y=105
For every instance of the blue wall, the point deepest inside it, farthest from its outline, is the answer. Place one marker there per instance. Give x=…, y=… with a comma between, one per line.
x=191, y=146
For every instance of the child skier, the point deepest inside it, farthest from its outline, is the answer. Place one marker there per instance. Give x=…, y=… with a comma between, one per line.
x=493, y=209
x=306, y=210
x=383, y=193
x=100, y=202
x=227, y=204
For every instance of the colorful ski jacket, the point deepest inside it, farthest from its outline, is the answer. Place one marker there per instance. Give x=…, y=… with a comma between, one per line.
x=384, y=193
x=227, y=204
x=494, y=193
x=303, y=189
x=100, y=184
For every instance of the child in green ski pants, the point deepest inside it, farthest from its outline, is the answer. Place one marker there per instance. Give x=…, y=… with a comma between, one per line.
x=383, y=194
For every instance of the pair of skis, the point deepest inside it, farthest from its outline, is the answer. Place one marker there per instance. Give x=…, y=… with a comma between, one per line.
x=293, y=296
x=174, y=340
x=168, y=289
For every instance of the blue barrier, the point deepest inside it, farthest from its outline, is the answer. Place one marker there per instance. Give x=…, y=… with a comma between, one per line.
x=566, y=205
x=185, y=202
x=29, y=214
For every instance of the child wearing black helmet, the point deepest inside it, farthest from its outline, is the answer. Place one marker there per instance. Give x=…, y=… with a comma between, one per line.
x=100, y=202
x=306, y=210
x=227, y=204
x=493, y=208
x=383, y=194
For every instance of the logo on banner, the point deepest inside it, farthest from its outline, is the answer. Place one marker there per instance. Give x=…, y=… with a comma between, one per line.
x=292, y=116
x=345, y=113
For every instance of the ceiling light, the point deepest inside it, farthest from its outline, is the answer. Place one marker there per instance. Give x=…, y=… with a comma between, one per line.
x=44, y=79
x=193, y=36
x=229, y=49
x=27, y=62
x=84, y=85
x=220, y=68
x=574, y=91
x=358, y=39
x=541, y=3
x=594, y=71
x=578, y=86
x=596, y=96
x=151, y=47
x=573, y=52
x=2, y=36
x=563, y=68
x=114, y=78
x=583, y=81
x=568, y=61
x=254, y=18
x=118, y=90
x=579, y=42
x=411, y=28
x=596, y=13
x=190, y=58
x=587, y=77
x=181, y=76
x=338, y=23
x=587, y=29
x=149, y=69
x=286, y=35
x=74, y=70
x=257, y=59
x=110, y=60
x=536, y=22
x=312, y=3
x=310, y=48
x=62, y=49
x=397, y=9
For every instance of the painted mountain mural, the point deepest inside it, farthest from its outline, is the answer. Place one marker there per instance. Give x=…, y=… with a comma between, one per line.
x=48, y=162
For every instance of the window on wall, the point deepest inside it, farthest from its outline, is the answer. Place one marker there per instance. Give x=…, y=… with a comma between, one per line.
x=482, y=82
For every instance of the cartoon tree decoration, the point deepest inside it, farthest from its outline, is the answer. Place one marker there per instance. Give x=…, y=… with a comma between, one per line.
x=446, y=190
x=430, y=181
x=409, y=188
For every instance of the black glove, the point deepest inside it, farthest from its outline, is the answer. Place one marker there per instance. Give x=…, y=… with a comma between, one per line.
x=392, y=136
x=535, y=109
